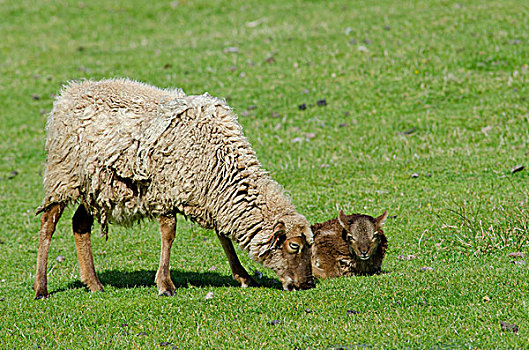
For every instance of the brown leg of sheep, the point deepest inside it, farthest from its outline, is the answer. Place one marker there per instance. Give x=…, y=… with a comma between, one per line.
x=82, y=225
x=48, y=221
x=163, y=276
x=237, y=270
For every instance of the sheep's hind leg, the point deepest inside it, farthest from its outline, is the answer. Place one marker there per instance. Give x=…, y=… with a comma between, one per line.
x=82, y=225
x=163, y=276
x=48, y=221
x=237, y=270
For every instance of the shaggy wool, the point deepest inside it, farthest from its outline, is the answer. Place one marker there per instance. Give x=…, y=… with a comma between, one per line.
x=128, y=151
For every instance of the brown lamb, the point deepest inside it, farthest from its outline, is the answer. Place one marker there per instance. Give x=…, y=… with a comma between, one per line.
x=348, y=245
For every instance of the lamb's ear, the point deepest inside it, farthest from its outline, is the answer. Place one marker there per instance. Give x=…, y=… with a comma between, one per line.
x=278, y=231
x=381, y=219
x=342, y=220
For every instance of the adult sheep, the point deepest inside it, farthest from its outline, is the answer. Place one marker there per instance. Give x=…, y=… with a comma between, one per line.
x=125, y=151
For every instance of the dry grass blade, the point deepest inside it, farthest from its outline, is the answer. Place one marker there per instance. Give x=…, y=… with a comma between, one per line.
x=487, y=225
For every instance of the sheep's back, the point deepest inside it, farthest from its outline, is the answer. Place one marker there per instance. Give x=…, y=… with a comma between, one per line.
x=129, y=150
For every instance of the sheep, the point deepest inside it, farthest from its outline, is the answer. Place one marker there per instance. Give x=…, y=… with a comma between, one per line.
x=348, y=245
x=125, y=151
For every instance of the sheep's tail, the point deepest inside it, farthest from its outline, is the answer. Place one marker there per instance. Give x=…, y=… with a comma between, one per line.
x=45, y=206
x=104, y=225
x=41, y=209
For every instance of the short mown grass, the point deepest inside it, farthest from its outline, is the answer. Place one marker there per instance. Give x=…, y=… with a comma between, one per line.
x=426, y=114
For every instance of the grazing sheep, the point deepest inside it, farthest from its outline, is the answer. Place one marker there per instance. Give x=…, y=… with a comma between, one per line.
x=126, y=151
x=347, y=245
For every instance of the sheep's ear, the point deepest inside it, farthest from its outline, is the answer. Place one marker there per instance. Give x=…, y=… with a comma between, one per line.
x=342, y=220
x=381, y=219
x=278, y=231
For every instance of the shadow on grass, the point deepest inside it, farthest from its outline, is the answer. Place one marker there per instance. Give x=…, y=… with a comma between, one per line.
x=181, y=279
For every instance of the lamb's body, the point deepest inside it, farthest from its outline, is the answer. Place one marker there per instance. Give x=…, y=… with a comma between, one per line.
x=127, y=151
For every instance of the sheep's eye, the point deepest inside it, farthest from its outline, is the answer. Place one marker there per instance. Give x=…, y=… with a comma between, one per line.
x=293, y=246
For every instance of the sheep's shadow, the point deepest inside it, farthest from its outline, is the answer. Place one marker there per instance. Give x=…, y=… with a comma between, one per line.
x=181, y=279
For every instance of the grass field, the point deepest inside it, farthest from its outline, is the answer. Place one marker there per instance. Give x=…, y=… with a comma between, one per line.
x=426, y=115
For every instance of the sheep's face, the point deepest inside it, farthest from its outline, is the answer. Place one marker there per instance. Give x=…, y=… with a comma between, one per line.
x=288, y=253
x=361, y=232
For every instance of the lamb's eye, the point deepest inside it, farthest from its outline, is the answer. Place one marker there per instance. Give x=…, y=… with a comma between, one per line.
x=294, y=247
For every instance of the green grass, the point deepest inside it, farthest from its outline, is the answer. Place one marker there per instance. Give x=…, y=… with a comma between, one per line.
x=456, y=72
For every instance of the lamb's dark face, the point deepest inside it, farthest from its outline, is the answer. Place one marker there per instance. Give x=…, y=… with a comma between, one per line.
x=362, y=233
x=362, y=240
x=289, y=253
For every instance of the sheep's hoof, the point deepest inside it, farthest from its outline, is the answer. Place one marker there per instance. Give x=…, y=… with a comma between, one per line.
x=40, y=296
x=165, y=287
x=166, y=293
x=41, y=293
x=248, y=282
x=97, y=287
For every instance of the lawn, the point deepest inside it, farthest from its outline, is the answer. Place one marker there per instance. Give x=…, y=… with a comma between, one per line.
x=417, y=107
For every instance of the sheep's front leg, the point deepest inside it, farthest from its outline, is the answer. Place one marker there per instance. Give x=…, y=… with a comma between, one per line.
x=82, y=225
x=163, y=276
x=237, y=270
x=48, y=221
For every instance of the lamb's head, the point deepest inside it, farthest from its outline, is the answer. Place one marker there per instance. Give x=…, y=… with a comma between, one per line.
x=361, y=232
x=287, y=252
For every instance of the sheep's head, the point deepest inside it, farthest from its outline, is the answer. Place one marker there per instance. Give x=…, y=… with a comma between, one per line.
x=361, y=232
x=287, y=252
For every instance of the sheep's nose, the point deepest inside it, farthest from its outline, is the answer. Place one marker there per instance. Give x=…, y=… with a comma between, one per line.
x=289, y=286
x=365, y=255
x=308, y=285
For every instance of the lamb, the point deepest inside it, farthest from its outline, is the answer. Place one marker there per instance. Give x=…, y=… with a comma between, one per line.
x=126, y=151
x=348, y=245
